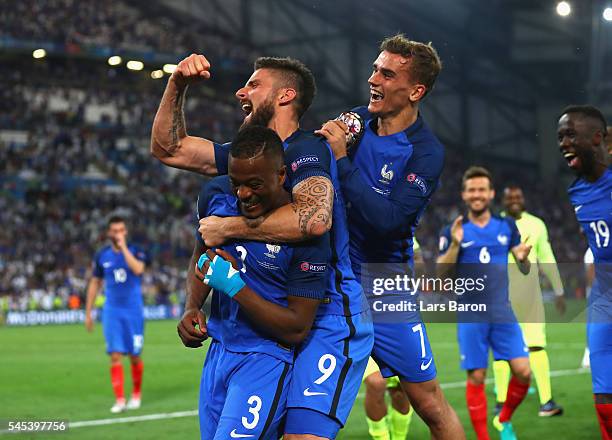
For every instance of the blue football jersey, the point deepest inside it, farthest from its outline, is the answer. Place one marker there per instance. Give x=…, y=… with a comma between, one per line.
x=484, y=255
x=593, y=206
x=274, y=271
x=121, y=285
x=307, y=155
x=388, y=182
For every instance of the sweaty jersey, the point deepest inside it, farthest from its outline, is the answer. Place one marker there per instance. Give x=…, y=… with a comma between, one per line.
x=593, y=207
x=273, y=271
x=388, y=182
x=307, y=155
x=483, y=256
x=121, y=285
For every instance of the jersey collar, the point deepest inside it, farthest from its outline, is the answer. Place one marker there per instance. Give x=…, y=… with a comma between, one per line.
x=412, y=129
x=292, y=137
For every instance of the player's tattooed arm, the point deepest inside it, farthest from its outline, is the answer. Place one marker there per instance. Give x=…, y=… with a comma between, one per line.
x=192, y=326
x=313, y=202
x=177, y=129
x=170, y=142
x=308, y=216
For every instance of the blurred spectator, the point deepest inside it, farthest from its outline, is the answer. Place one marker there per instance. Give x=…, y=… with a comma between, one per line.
x=117, y=25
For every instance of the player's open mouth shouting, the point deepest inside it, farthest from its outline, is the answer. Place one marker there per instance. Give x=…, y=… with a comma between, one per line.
x=573, y=161
x=247, y=108
x=375, y=95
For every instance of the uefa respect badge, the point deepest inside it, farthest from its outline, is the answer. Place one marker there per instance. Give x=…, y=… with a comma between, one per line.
x=355, y=125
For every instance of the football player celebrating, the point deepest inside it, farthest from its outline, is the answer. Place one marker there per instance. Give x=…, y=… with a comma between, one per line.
x=119, y=267
x=581, y=133
x=330, y=364
x=527, y=303
x=261, y=309
x=389, y=177
x=477, y=247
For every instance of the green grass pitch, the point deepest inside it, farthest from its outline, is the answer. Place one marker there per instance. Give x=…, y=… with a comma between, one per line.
x=61, y=372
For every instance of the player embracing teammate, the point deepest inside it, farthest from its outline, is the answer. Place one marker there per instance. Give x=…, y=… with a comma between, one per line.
x=388, y=178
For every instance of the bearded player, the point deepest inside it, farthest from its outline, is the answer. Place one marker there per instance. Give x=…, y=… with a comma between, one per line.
x=581, y=133
x=477, y=247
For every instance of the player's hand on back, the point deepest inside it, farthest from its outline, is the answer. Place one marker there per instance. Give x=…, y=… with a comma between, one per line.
x=335, y=132
x=190, y=70
x=457, y=230
x=192, y=328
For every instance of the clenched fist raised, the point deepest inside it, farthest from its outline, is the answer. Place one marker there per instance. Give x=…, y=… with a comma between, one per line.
x=192, y=69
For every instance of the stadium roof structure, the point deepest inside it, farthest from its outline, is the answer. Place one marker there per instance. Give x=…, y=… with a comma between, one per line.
x=509, y=65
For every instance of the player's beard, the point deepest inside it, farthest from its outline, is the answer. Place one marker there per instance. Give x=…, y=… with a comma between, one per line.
x=480, y=211
x=262, y=116
x=587, y=163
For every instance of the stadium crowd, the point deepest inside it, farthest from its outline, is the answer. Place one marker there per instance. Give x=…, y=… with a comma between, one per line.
x=72, y=156
x=120, y=25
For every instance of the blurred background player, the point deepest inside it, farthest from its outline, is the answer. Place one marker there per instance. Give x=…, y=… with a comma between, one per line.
x=581, y=133
x=119, y=267
x=388, y=179
x=527, y=303
x=392, y=421
x=260, y=311
x=478, y=247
